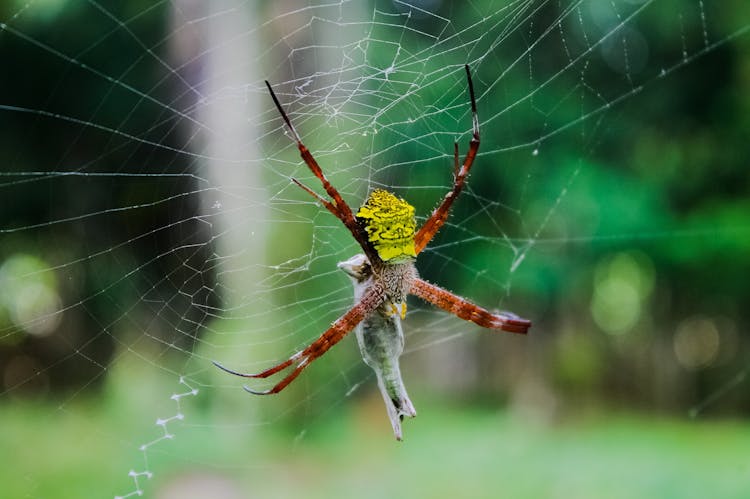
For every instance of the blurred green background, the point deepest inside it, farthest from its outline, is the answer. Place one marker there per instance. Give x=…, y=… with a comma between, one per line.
x=148, y=226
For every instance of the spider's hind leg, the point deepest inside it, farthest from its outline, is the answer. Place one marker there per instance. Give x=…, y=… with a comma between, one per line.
x=440, y=215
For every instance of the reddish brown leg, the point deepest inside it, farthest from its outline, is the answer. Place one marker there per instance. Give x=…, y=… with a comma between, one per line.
x=339, y=207
x=329, y=205
x=467, y=310
x=369, y=302
x=455, y=161
x=440, y=215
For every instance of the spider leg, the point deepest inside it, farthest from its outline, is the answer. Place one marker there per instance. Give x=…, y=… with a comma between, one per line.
x=329, y=205
x=440, y=215
x=455, y=160
x=467, y=310
x=342, y=210
x=263, y=374
x=370, y=301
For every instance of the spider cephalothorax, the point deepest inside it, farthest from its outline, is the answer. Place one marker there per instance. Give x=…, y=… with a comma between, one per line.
x=385, y=229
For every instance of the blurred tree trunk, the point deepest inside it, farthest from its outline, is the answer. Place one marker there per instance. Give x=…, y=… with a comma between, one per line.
x=214, y=48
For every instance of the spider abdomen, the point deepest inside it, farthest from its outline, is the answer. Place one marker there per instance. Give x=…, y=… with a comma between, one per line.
x=390, y=225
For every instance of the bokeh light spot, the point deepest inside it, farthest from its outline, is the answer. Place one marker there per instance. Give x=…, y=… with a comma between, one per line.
x=621, y=284
x=29, y=295
x=696, y=342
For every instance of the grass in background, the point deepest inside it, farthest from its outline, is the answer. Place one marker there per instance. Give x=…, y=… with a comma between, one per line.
x=87, y=451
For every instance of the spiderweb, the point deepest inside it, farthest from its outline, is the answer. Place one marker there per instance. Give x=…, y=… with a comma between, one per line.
x=149, y=224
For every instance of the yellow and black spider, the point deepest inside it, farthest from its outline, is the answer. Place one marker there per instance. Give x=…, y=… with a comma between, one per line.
x=386, y=230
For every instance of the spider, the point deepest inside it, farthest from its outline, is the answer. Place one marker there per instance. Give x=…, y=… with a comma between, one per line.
x=385, y=228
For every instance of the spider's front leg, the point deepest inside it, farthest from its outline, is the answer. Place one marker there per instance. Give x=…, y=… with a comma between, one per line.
x=369, y=302
x=381, y=342
x=466, y=310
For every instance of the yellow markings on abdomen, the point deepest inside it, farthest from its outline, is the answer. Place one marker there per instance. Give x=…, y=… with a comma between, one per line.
x=390, y=225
